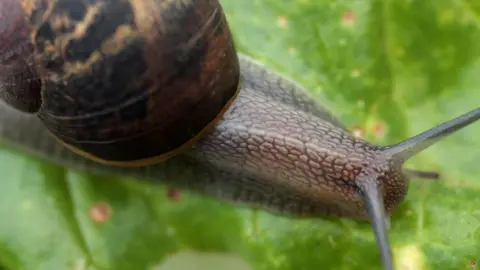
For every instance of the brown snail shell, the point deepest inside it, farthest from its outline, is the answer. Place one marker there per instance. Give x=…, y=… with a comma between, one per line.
x=182, y=73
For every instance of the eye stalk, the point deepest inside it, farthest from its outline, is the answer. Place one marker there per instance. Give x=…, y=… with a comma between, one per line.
x=371, y=191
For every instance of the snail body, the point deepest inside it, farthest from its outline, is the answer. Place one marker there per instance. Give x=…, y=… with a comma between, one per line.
x=265, y=143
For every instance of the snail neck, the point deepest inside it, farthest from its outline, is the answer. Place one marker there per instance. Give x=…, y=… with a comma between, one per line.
x=289, y=157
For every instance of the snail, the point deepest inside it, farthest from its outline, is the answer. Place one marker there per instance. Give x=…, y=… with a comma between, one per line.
x=159, y=92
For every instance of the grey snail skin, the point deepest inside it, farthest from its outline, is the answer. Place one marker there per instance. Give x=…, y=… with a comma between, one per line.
x=159, y=92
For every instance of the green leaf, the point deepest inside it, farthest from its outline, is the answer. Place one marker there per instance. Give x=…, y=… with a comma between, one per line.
x=388, y=68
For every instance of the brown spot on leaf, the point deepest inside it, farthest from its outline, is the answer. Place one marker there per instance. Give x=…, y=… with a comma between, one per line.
x=378, y=129
x=173, y=194
x=348, y=18
x=282, y=21
x=100, y=212
x=473, y=264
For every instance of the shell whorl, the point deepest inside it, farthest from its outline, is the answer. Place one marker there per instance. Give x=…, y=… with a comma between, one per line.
x=131, y=82
x=20, y=84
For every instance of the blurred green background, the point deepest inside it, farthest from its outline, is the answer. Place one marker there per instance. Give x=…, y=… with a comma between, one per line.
x=388, y=68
